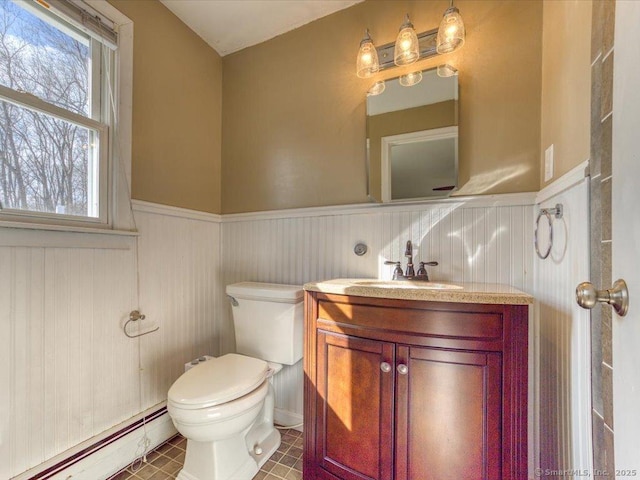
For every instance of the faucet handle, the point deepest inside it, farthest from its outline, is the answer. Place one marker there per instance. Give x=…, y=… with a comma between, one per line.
x=428, y=264
x=397, y=271
x=422, y=271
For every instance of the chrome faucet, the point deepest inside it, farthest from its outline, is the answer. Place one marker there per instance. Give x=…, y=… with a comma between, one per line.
x=410, y=273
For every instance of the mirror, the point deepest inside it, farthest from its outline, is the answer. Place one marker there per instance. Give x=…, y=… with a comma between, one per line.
x=412, y=139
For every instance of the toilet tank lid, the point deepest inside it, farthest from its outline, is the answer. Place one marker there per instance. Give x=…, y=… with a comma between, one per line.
x=271, y=292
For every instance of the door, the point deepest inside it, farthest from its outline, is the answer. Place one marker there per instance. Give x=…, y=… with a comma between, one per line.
x=626, y=236
x=354, y=421
x=448, y=423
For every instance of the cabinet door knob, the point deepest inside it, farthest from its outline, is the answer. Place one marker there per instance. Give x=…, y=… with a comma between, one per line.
x=403, y=369
x=385, y=367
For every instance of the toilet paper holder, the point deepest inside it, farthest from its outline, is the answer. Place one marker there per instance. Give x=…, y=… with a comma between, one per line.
x=134, y=316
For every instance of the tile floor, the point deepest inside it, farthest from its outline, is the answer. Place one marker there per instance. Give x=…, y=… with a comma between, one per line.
x=165, y=462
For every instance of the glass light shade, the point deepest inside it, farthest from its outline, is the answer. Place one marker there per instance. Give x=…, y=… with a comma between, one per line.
x=377, y=88
x=367, y=62
x=410, y=79
x=407, y=50
x=451, y=31
x=445, y=70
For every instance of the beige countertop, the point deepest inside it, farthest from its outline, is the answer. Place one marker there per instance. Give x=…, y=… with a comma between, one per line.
x=430, y=291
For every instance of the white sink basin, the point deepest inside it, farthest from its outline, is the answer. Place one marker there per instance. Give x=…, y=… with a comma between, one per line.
x=407, y=284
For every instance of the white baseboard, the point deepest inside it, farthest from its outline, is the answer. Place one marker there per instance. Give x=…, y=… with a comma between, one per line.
x=286, y=418
x=105, y=456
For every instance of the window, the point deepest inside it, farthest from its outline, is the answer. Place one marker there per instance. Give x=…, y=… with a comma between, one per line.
x=55, y=97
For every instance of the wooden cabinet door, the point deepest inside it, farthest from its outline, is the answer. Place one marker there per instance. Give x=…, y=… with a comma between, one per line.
x=448, y=423
x=354, y=423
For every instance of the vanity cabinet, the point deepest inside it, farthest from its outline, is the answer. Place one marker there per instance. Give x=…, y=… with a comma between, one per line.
x=414, y=390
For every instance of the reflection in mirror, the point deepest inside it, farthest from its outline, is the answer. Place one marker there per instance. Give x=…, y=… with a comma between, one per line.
x=412, y=139
x=420, y=164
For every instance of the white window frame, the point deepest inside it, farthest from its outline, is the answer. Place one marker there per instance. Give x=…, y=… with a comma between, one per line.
x=115, y=143
x=25, y=100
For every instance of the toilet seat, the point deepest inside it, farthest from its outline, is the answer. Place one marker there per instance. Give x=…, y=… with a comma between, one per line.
x=224, y=412
x=218, y=381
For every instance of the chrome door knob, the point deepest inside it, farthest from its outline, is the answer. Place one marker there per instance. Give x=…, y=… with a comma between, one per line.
x=618, y=296
x=403, y=369
x=385, y=367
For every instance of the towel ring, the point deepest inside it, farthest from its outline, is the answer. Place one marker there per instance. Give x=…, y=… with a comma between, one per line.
x=547, y=212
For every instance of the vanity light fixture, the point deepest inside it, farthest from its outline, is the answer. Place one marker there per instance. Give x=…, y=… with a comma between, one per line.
x=451, y=32
x=410, y=79
x=410, y=47
x=367, y=62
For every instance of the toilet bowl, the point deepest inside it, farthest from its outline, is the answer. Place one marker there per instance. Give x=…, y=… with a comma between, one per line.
x=218, y=406
x=224, y=407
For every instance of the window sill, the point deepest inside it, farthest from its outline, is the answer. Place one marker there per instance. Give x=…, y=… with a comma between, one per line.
x=22, y=234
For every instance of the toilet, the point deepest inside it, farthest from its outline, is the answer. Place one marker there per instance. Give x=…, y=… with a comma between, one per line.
x=224, y=407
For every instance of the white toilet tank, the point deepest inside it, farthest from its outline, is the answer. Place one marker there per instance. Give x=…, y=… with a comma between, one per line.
x=268, y=320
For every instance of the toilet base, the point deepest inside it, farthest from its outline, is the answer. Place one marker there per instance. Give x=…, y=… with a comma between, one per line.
x=263, y=434
x=267, y=439
x=236, y=458
x=201, y=461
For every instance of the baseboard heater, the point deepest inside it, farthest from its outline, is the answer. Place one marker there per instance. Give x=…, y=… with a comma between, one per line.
x=66, y=464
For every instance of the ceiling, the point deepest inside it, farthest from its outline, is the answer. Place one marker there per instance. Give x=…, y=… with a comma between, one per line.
x=231, y=25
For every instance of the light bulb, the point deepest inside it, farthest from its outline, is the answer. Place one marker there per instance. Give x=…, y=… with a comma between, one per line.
x=451, y=31
x=410, y=79
x=406, y=50
x=367, y=61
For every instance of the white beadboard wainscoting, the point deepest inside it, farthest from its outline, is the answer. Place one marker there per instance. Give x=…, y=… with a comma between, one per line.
x=480, y=239
x=563, y=330
x=67, y=371
x=179, y=259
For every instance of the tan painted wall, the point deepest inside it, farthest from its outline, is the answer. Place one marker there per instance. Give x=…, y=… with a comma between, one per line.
x=566, y=84
x=177, y=104
x=294, y=111
x=425, y=117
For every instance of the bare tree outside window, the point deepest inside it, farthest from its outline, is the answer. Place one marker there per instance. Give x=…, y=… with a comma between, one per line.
x=47, y=164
